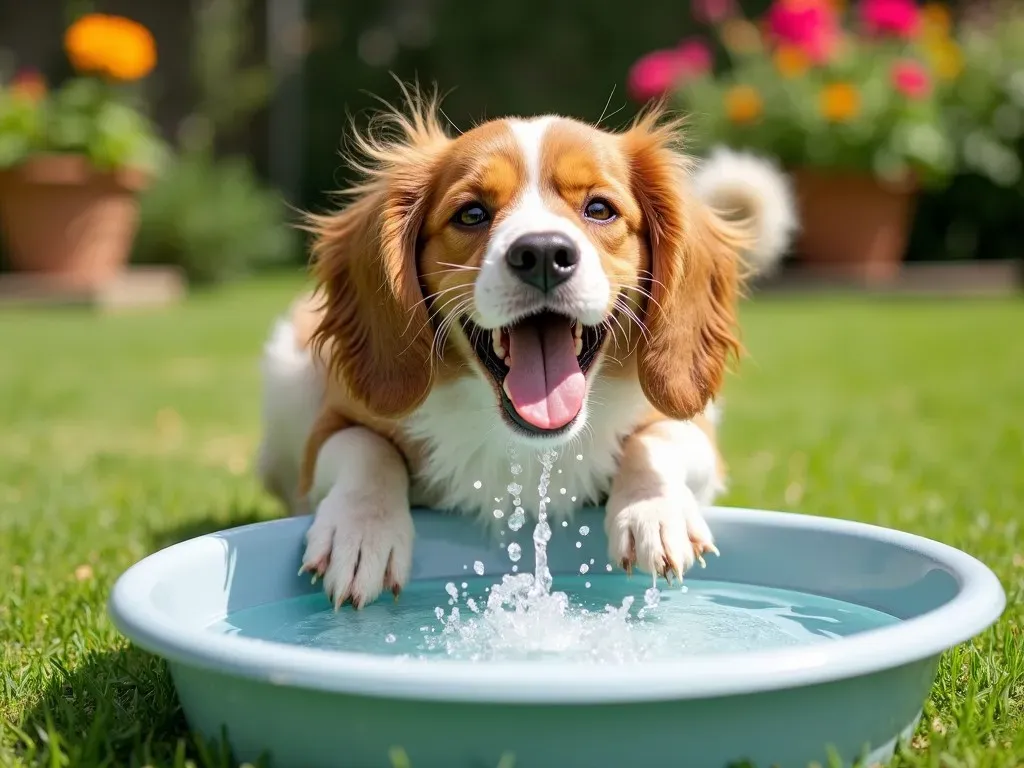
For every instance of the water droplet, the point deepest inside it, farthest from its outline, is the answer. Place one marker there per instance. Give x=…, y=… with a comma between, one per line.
x=478, y=568
x=478, y=485
x=514, y=488
x=498, y=514
x=517, y=519
x=608, y=567
x=579, y=457
x=559, y=471
x=389, y=638
x=515, y=569
x=562, y=491
x=465, y=567
x=584, y=568
x=652, y=597
x=586, y=584
x=465, y=585
x=579, y=544
x=584, y=530
x=439, y=612
x=573, y=498
x=452, y=590
x=565, y=523
x=471, y=604
x=514, y=552
x=517, y=469
x=591, y=561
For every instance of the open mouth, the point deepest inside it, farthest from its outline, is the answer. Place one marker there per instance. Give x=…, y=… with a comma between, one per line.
x=539, y=364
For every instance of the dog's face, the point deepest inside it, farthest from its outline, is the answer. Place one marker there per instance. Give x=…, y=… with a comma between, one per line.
x=527, y=253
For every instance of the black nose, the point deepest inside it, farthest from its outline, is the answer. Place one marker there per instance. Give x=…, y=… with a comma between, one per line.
x=543, y=259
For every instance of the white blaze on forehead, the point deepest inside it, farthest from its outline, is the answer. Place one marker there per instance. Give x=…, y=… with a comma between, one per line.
x=502, y=298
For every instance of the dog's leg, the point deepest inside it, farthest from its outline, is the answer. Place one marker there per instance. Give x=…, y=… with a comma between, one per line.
x=668, y=471
x=361, y=538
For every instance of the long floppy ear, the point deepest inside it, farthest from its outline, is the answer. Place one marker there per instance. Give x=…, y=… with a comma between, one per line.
x=694, y=281
x=376, y=330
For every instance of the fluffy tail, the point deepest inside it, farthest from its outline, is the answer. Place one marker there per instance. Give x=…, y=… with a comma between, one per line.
x=744, y=186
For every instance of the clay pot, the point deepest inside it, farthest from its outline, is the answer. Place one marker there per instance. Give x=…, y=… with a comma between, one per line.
x=853, y=226
x=67, y=221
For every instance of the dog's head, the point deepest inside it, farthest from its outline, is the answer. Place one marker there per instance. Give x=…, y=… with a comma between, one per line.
x=530, y=253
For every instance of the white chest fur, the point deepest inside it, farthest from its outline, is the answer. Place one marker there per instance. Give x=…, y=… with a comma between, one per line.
x=470, y=452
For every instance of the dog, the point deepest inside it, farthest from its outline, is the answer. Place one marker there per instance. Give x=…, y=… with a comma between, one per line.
x=527, y=285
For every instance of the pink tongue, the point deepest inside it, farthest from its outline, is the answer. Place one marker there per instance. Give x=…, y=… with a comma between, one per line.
x=544, y=381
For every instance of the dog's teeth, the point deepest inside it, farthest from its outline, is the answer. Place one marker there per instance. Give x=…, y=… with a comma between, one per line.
x=499, y=350
x=508, y=361
x=579, y=346
x=504, y=388
x=577, y=329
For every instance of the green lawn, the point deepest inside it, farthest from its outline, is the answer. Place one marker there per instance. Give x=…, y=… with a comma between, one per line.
x=123, y=434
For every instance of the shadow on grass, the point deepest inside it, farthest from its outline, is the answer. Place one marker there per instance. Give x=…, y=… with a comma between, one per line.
x=116, y=708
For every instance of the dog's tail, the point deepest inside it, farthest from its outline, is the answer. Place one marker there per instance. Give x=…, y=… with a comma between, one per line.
x=743, y=186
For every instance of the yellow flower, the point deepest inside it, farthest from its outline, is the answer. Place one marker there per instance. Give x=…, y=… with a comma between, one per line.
x=839, y=102
x=945, y=58
x=791, y=61
x=743, y=104
x=114, y=46
x=936, y=21
x=740, y=36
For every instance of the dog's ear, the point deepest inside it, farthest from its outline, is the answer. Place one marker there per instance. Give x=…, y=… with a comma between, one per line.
x=376, y=331
x=693, y=281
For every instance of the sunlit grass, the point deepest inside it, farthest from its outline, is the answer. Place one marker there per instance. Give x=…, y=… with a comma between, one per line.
x=120, y=435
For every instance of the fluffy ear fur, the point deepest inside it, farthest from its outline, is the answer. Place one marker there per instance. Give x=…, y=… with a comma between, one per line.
x=376, y=331
x=691, y=315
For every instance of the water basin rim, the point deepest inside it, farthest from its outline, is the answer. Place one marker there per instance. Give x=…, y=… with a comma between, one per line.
x=978, y=603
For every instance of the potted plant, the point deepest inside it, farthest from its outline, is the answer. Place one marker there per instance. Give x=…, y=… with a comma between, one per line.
x=73, y=159
x=848, y=98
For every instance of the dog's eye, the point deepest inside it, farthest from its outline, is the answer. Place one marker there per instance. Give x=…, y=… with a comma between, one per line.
x=599, y=210
x=471, y=215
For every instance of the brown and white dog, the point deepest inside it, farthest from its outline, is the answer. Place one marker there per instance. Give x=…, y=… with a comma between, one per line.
x=530, y=283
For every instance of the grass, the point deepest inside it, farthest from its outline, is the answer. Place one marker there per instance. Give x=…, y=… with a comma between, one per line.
x=122, y=434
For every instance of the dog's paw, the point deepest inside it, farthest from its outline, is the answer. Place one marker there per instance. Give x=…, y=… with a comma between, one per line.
x=360, y=547
x=661, y=536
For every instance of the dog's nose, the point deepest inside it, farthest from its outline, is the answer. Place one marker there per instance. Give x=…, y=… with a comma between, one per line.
x=543, y=259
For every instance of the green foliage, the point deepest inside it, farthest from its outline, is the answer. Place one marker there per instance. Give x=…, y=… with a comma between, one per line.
x=84, y=116
x=214, y=219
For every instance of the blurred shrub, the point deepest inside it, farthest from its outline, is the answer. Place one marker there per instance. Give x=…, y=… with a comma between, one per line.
x=214, y=220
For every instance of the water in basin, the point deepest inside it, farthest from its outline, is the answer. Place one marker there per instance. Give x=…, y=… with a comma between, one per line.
x=705, y=617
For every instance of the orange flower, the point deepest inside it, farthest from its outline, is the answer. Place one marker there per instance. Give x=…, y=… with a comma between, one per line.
x=937, y=22
x=741, y=36
x=743, y=104
x=29, y=85
x=113, y=46
x=839, y=102
x=791, y=61
x=945, y=58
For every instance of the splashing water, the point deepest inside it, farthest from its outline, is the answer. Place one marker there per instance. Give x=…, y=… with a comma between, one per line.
x=524, y=617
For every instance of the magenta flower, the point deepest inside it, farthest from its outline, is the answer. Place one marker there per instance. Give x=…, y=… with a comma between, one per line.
x=659, y=71
x=899, y=18
x=810, y=25
x=713, y=11
x=910, y=78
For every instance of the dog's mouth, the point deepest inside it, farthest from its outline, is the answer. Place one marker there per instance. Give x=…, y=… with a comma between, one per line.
x=539, y=364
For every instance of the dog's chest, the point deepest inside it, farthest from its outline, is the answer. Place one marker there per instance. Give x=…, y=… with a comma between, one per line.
x=468, y=461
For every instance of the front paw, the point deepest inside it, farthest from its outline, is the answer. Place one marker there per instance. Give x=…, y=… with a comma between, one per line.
x=360, y=547
x=661, y=536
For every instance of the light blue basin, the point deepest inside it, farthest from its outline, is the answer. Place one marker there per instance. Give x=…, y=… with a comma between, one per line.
x=851, y=697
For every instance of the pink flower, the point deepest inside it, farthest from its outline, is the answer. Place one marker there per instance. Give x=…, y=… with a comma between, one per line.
x=713, y=11
x=910, y=78
x=810, y=25
x=659, y=71
x=899, y=18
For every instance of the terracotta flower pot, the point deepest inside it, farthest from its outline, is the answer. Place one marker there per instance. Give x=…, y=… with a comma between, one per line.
x=853, y=226
x=65, y=220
